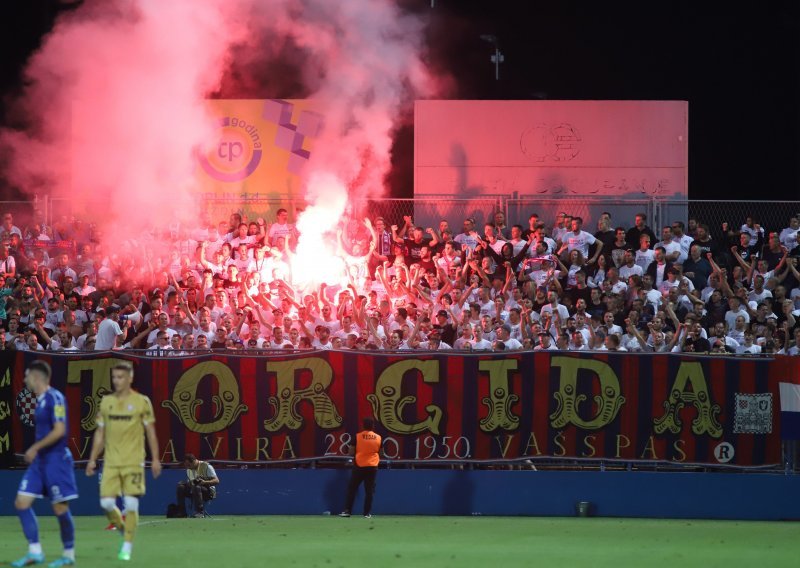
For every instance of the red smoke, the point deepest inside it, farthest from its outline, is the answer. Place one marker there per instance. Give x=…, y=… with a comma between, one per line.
x=115, y=97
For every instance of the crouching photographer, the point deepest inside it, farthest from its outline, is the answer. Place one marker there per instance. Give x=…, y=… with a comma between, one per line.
x=200, y=485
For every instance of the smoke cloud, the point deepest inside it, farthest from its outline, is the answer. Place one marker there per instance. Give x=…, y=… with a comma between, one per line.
x=114, y=108
x=113, y=112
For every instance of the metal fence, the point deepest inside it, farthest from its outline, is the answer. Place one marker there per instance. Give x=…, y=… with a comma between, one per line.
x=772, y=215
x=429, y=210
x=623, y=211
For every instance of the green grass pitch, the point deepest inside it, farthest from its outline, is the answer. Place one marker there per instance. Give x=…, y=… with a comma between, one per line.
x=487, y=542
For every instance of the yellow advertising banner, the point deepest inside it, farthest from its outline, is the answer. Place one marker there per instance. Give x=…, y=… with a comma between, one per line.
x=262, y=147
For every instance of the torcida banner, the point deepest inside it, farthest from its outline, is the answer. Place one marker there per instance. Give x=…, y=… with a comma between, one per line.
x=713, y=410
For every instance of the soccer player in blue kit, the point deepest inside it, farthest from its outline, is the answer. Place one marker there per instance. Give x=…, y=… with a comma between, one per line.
x=51, y=470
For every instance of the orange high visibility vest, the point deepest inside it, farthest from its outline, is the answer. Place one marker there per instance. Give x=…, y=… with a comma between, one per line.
x=368, y=444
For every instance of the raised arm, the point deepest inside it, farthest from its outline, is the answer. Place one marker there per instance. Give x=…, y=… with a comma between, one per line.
x=407, y=222
x=782, y=261
x=742, y=262
x=144, y=333
x=396, y=237
x=598, y=248
x=635, y=332
x=434, y=238
x=509, y=278
x=675, y=337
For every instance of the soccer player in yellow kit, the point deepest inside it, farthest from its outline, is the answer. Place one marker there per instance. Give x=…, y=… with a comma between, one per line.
x=124, y=419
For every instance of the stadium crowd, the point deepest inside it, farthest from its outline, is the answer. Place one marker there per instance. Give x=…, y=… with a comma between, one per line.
x=544, y=284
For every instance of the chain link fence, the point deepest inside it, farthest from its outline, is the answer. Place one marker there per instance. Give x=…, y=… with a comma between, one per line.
x=623, y=211
x=429, y=210
x=771, y=215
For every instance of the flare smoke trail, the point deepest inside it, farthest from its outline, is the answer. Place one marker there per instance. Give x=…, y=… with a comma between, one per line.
x=362, y=63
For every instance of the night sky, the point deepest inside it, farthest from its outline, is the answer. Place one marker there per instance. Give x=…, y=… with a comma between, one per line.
x=739, y=68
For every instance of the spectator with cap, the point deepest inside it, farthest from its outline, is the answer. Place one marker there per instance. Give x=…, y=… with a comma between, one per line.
x=447, y=330
x=503, y=333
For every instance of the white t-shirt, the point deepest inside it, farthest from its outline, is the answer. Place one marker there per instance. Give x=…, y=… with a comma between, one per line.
x=788, y=238
x=107, y=333
x=581, y=241
x=752, y=350
x=730, y=317
x=670, y=247
x=276, y=231
x=753, y=233
x=247, y=240
x=466, y=241
x=512, y=344
x=644, y=258
x=685, y=241
x=626, y=271
x=8, y=265
x=482, y=345
x=759, y=296
x=151, y=337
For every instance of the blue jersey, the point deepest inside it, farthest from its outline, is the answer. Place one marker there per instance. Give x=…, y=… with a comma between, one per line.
x=51, y=407
x=52, y=472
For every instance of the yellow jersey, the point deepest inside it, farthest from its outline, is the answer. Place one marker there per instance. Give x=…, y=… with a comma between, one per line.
x=124, y=421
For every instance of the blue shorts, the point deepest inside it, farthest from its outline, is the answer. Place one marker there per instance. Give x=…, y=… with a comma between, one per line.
x=53, y=475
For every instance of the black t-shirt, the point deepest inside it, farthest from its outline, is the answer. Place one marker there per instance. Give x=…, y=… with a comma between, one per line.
x=772, y=258
x=425, y=265
x=634, y=234
x=448, y=333
x=748, y=254
x=576, y=294
x=706, y=246
x=537, y=307
x=413, y=249
x=607, y=238
x=595, y=310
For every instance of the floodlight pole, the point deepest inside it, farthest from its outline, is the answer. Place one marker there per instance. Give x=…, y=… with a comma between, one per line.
x=497, y=58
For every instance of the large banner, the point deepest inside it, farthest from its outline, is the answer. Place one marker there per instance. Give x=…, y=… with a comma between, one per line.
x=714, y=410
x=262, y=147
x=258, y=153
x=6, y=419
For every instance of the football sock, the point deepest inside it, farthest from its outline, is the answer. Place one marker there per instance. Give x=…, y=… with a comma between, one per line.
x=131, y=517
x=30, y=527
x=113, y=514
x=67, y=530
x=115, y=517
x=131, y=523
